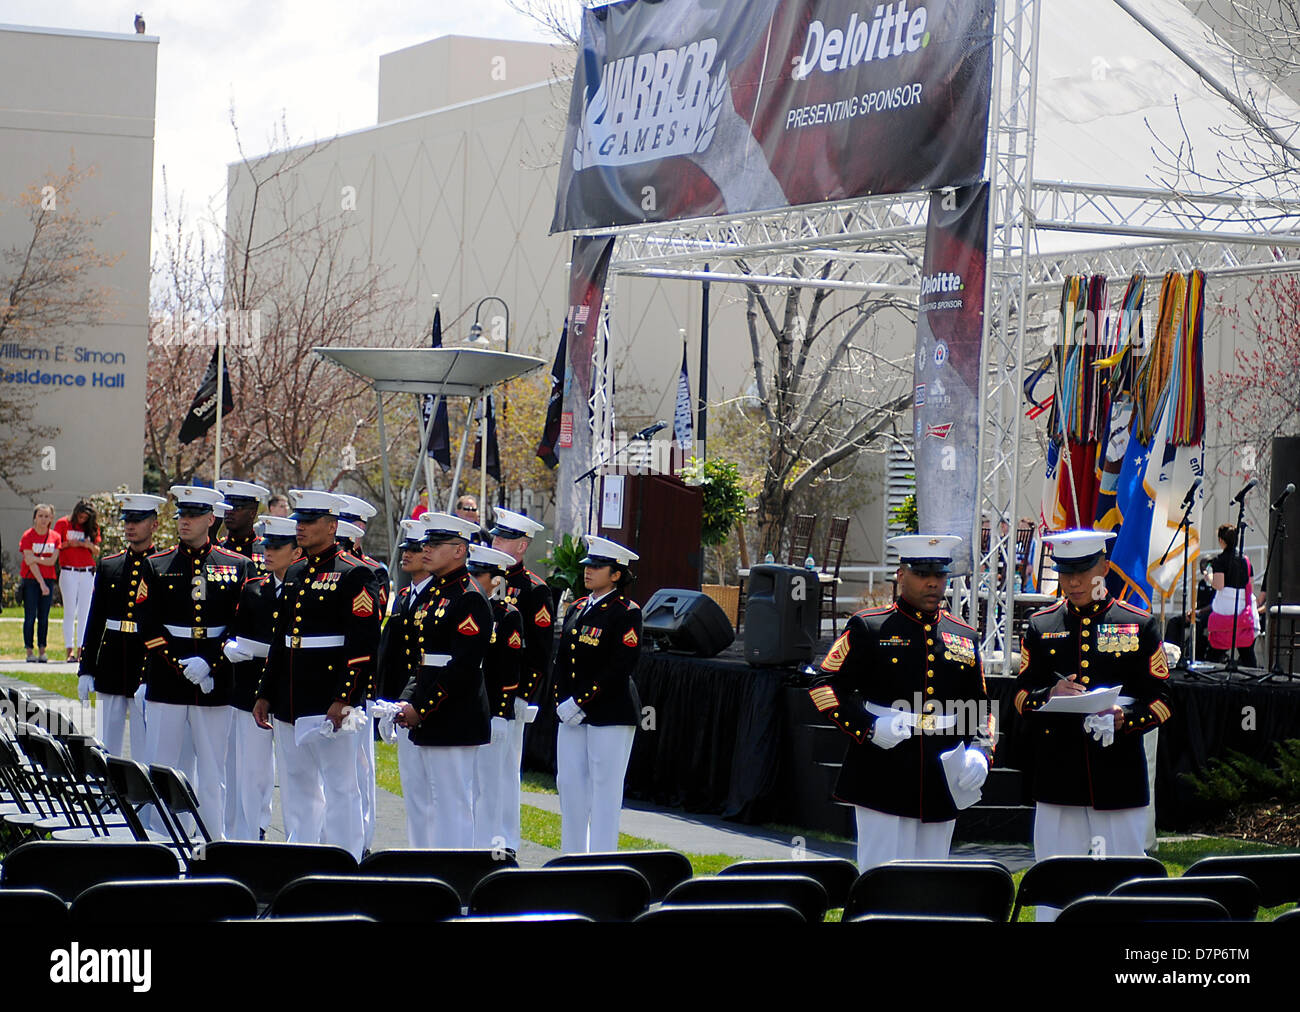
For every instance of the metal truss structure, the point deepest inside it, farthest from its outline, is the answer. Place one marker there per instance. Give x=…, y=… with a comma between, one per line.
x=877, y=243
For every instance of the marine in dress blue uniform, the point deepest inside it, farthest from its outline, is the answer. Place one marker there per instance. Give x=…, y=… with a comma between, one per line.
x=596, y=700
x=905, y=683
x=190, y=594
x=112, y=659
x=512, y=533
x=242, y=500
x=445, y=707
x=322, y=652
x=1089, y=774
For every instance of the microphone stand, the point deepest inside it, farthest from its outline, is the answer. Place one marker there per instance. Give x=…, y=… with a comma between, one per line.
x=1183, y=666
x=591, y=473
x=1277, y=541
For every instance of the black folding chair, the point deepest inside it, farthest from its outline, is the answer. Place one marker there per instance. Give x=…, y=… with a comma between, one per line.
x=108, y=805
x=1277, y=875
x=267, y=867
x=523, y=919
x=1291, y=918
x=164, y=901
x=32, y=908
x=774, y=914
x=804, y=894
x=835, y=874
x=1140, y=910
x=1059, y=881
x=78, y=802
x=612, y=893
x=905, y=919
x=1235, y=893
x=962, y=888
x=386, y=900
x=131, y=783
x=22, y=814
x=176, y=794
x=68, y=869
x=46, y=784
x=460, y=869
x=663, y=869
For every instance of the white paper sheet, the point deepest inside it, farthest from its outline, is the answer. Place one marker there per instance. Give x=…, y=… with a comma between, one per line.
x=1096, y=701
x=954, y=764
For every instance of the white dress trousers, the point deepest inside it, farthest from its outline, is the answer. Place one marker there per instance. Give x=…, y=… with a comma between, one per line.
x=590, y=764
x=366, y=778
x=110, y=714
x=438, y=790
x=319, y=794
x=1076, y=830
x=883, y=838
x=76, y=589
x=514, y=763
x=1150, y=742
x=491, y=775
x=209, y=727
x=250, y=777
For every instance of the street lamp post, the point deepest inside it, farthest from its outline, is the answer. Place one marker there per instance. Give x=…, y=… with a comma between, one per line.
x=476, y=336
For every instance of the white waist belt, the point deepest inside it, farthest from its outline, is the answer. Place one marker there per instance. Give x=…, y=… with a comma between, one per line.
x=938, y=721
x=435, y=660
x=121, y=625
x=255, y=647
x=194, y=632
x=313, y=642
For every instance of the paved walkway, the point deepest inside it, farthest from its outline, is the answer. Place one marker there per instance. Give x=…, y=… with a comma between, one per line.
x=697, y=834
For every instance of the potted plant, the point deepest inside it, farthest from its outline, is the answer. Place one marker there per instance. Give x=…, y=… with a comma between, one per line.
x=723, y=508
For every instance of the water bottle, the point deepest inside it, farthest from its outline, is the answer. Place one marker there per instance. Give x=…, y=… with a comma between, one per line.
x=1017, y=583
x=809, y=564
x=769, y=559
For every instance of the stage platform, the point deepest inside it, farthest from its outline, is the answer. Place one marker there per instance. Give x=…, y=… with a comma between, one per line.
x=747, y=744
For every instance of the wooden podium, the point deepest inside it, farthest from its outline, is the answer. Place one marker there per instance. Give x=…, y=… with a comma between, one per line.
x=659, y=517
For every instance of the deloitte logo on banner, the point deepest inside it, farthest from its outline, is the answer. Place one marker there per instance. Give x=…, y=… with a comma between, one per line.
x=932, y=284
x=653, y=105
x=891, y=32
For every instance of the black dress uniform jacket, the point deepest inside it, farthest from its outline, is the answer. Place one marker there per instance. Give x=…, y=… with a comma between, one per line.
x=599, y=648
x=502, y=669
x=927, y=662
x=399, y=644
x=195, y=589
x=1105, y=643
x=251, y=547
x=329, y=594
x=116, y=656
x=254, y=625
x=532, y=596
x=452, y=700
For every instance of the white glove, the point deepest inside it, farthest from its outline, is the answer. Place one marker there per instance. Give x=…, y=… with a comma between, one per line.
x=384, y=712
x=85, y=686
x=195, y=669
x=570, y=712
x=975, y=771
x=521, y=708
x=139, y=693
x=889, y=731
x=235, y=653
x=205, y=684
x=500, y=728
x=1102, y=726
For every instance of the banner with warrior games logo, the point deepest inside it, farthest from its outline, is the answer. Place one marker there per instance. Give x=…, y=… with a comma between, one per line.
x=949, y=329
x=682, y=109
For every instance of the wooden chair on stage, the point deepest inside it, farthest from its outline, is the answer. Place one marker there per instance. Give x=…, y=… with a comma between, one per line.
x=801, y=536
x=830, y=572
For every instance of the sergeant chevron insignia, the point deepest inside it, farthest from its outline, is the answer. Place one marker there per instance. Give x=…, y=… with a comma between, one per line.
x=363, y=605
x=835, y=659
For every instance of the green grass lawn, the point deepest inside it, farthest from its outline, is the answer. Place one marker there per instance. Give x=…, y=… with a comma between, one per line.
x=11, y=636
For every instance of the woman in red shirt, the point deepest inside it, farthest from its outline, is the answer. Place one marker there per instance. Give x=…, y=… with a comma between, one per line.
x=78, y=551
x=39, y=547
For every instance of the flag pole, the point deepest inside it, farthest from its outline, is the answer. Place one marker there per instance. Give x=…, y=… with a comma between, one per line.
x=424, y=445
x=482, y=460
x=221, y=395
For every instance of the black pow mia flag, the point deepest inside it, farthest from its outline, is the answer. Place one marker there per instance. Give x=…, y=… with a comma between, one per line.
x=203, y=410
